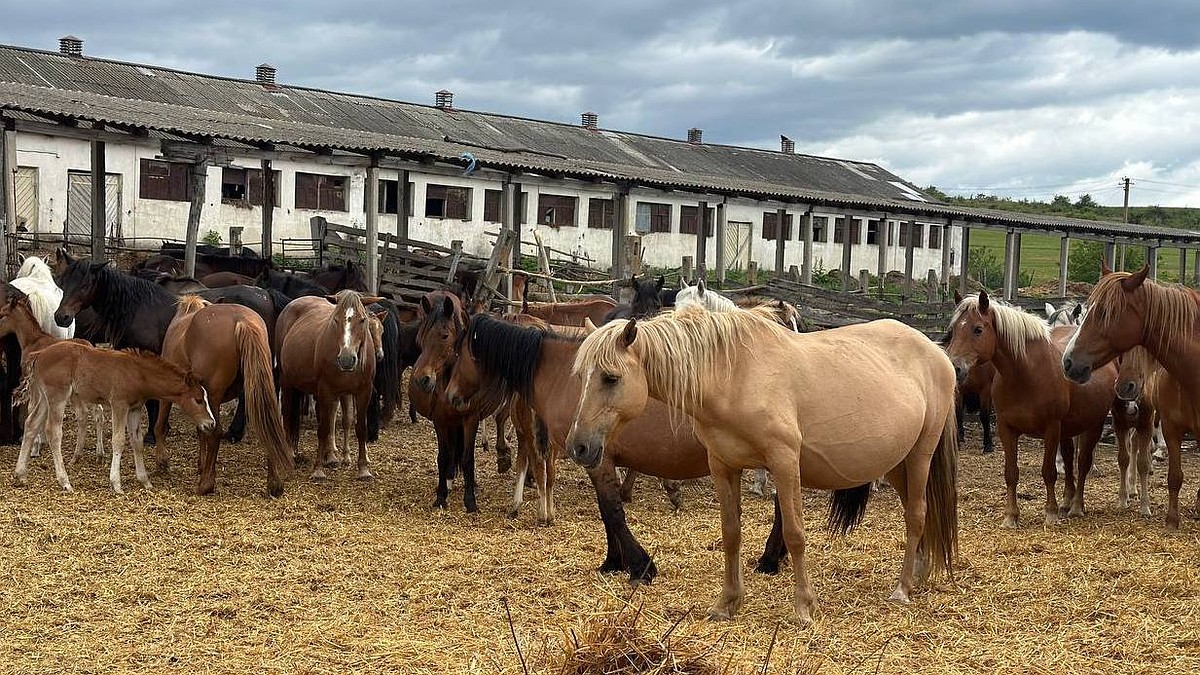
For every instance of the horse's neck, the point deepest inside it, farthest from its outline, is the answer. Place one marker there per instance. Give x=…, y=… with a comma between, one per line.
x=555, y=390
x=29, y=331
x=155, y=378
x=1039, y=359
x=1179, y=360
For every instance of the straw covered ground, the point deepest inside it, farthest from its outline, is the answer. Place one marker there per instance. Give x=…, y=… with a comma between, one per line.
x=352, y=577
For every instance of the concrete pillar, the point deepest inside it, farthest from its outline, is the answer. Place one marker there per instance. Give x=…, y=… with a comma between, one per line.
x=8, y=191
x=1152, y=260
x=371, y=197
x=1016, y=275
x=701, y=239
x=945, y=243
x=1064, y=256
x=847, y=242
x=883, y=238
x=1006, y=285
x=1183, y=265
x=619, y=269
x=269, y=188
x=100, y=211
x=909, y=243
x=1110, y=254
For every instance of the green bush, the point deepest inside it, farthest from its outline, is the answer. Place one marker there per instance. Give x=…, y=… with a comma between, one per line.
x=212, y=237
x=1086, y=256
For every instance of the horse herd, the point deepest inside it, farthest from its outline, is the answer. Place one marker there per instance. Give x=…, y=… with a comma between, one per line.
x=611, y=384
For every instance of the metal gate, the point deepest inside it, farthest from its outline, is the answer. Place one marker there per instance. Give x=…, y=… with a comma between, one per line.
x=79, y=206
x=737, y=245
x=27, y=197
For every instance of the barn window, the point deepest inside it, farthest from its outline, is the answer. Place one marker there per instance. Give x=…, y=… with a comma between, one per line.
x=556, y=210
x=770, y=221
x=491, y=206
x=918, y=235
x=653, y=217
x=872, y=232
x=917, y=232
x=169, y=181
x=839, y=227
x=935, y=236
x=600, y=214
x=820, y=228
x=244, y=186
x=447, y=201
x=320, y=192
x=687, y=220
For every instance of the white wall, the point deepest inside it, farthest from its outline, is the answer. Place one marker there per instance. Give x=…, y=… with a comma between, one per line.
x=146, y=221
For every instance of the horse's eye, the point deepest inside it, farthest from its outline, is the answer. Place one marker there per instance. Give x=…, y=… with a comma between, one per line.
x=609, y=378
x=978, y=330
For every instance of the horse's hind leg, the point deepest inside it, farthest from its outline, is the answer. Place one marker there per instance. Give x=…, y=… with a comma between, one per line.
x=237, y=426
x=133, y=422
x=503, y=452
x=81, y=427
x=1087, y=448
x=1142, y=439
x=674, y=490
x=120, y=418
x=627, y=485
x=1050, y=474
x=35, y=426
x=57, y=411
x=326, y=409
x=470, y=431
x=775, y=549
x=1124, y=469
x=161, y=458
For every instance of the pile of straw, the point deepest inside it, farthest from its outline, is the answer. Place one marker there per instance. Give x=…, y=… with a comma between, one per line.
x=614, y=642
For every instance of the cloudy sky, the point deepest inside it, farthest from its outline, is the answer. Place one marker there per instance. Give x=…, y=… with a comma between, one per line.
x=1025, y=98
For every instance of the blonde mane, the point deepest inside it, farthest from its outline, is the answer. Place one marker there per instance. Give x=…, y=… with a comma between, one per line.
x=1014, y=326
x=190, y=304
x=685, y=353
x=348, y=300
x=1171, y=309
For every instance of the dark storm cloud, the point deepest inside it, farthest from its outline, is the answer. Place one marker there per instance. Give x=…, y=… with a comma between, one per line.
x=833, y=74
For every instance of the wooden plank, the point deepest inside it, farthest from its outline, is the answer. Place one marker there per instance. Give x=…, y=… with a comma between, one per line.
x=99, y=209
x=490, y=280
x=806, y=225
x=198, y=176
x=268, y=208
x=8, y=191
x=780, y=219
x=371, y=196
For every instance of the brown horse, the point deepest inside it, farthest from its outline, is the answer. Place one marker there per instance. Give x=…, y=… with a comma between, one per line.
x=326, y=349
x=223, y=279
x=1030, y=399
x=1127, y=310
x=1133, y=422
x=16, y=317
x=122, y=380
x=227, y=348
x=831, y=410
x=570, y=313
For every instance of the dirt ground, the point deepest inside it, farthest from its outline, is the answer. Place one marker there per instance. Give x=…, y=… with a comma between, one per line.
x=365, y=577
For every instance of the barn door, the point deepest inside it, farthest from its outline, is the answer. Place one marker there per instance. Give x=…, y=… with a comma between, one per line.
x=737, y=245
x=27, y=197
x=79, y=206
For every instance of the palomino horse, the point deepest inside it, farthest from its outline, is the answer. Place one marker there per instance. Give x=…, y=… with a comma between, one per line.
x=850, y=405
x=17, y=318
x=1126, y=310
x=327, y=350
x=122, y=380
x=1029, y=400
x=226, y=347
x=501, y=358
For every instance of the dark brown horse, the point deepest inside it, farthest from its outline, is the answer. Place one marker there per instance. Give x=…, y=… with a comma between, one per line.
x=326, y=350
x=227, y=348
x=334, y=277
x=646, y=300
x=223, y=279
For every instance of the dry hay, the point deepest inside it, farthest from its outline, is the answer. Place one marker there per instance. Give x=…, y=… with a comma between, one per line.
x=351, y=577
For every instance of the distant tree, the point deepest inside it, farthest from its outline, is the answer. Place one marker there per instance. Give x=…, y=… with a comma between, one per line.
x=1086, y=256
x=1085, y=201
x=1061, y=202
x=937, y=194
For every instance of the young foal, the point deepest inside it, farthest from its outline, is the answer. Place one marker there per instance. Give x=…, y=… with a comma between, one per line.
x=326, y=350
x=1029, y=398
x=122, y=380
x=822, y=429
x=1133, y=422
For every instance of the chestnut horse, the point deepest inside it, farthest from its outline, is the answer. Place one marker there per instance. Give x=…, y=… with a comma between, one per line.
x=570, y=313
x=1030, y=399
x=1125, y=310
x=326, y=349
x=831, y=410
x=227, y=348
x=499, y=358
x=121, y=380
x=1140, y=381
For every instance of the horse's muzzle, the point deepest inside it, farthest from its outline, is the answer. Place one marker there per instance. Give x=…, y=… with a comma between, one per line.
x=1077, y=372
x=347, y=363
x=426, y=382
x=587, y=454
x=456, y=401
x=63, y=320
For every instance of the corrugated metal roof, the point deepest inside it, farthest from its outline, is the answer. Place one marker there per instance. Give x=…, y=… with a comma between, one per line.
x=128, y=95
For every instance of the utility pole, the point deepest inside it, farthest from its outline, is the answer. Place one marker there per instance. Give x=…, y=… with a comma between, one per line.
x=1126, y=182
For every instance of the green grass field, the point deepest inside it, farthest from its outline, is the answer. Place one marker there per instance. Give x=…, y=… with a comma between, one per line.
x=1039, y=255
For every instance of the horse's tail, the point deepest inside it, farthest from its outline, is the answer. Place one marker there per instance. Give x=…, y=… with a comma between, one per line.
x=390, y=368
x=847, y=508
x=940, y=542
x=261, y=405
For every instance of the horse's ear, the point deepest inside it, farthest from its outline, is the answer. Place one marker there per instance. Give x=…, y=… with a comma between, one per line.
x=1105, y=270
x=380, y=315
x=1075, y=313
x=1049, y=309
x=662, y=281
x=332, y=299
x=984, y=303
x=781, y=304
x=957, y=297
x=588, y=326
x=700, y=285
x=370, y=299
x=630, y=333
x=448, y=306
x=14, y=294
x=61, y=255
x=1135, y=280
x=426, y=306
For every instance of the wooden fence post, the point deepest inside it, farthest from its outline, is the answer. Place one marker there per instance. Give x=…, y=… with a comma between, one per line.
x=931, y=285
x=794, y=273
x=752, y=272
x=457, y=247
x=685, y=272
x=544, y=264
x=633, y=254
x=864, y=280
x=490, y=280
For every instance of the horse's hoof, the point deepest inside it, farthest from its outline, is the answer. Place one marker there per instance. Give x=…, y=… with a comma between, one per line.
x=503, y=463
x=332, y=464
x=1010, y=523
x=1075, y=513
x=365, y=476
x=611, y=566
x=68, y=489
x=643, y=574
x=118, y=491
x=35, y=454
x=1053, y=517
x=164, y=466
x=899, y=595
x=231, y=437
x=545, y=522
x=767, y=566
x=987, y=450
x=440, y=503
x=719, y=615
x=470, y=506
x=319, y=476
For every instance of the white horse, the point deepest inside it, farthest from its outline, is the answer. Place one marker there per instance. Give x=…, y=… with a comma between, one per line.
x=1070, y=314
x=36, y=281
x=699, y=295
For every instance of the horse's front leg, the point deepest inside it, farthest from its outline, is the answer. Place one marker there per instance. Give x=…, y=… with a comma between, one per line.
x=1142, y=439
x=348, y=408
x=727, y=483
x=133, y=422
x=1050, y=473
x=1173, y=435
x=237, y=426
x=326, y=408
x=1087, y=449
x=1008, y=439
x=360, y=433
x=470, y=433
x=162, y=458
x=81, y=427
x=624, y=551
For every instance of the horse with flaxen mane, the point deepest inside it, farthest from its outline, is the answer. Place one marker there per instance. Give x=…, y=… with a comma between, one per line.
x=500, y=358
x=326, y=350
x=853, y=404
x=226, y=347
x=121, y=380
x=1126, y=310
x=17, y=318
x=1030, y=399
